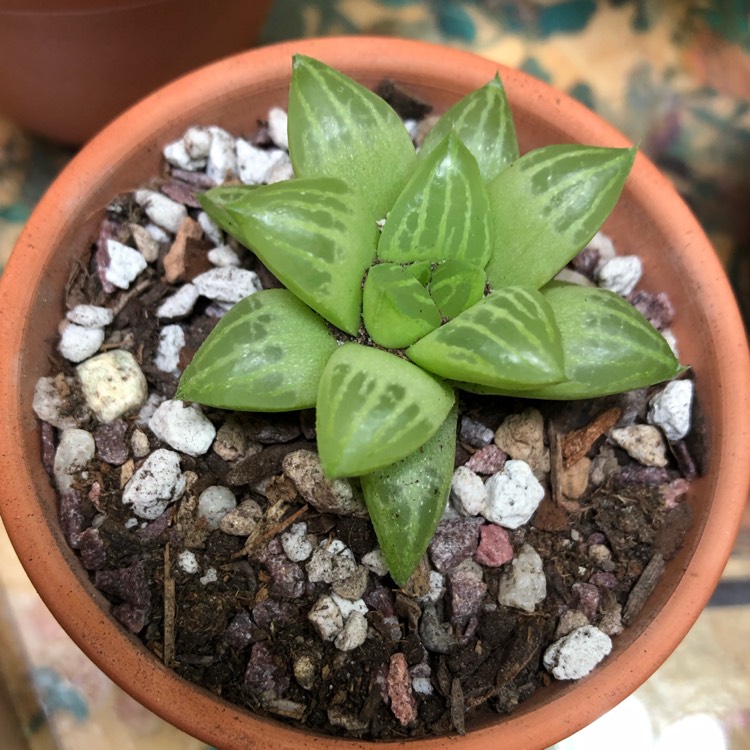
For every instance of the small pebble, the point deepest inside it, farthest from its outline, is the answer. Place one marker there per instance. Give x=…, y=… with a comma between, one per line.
x=514, y=495
x=575, y=479
x=297, y=546
x=399, y=690
x=157, y=234
x=211, y=576
x=180, y=304
x=436, y=582
x=146, y=244
x=197, y=141
x=183, y=426
x=163, y=211
x=603, y=245
x=454, y=542
x=331, y=562
x=125, y=264
x=222, y=156
x=277, y=127
x=326, y=618
x=375, y=562
x=347, y=606
x=111, y=445
x=242, y=520
x=210, y=228
x=51, y=403
x=467, y=590
x=90, y=316
x=113, y=384
x=227, y=284
x=643, y=442
x=214, y=503
x=468, y=493
x=576, y=654
x=78, y=342
x=171, y=341
x=223, y=256
x=156, y=484
x=569, y=621
x=524, y=585
x=620, y=274
x=487, y=460
x=75, y=450
x=474, y=433
x=670, y=409
x=255, y=163
x=188, y=562
x=281, y=171
x=521, y=436
x=352, y=587
x=495, y=547
x=177, y=155
x=139, y=443
x=305, y=671
x=353, y=634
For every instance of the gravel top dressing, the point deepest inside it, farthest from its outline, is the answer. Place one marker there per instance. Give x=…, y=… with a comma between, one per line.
x=219, y=541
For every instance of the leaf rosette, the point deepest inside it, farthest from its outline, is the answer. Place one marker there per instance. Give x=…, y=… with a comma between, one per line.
x=409, y=275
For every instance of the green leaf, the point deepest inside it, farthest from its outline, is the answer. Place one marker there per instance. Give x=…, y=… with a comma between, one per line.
x=483, y=121
x=455, y=286
x=508, y=340
x=266, y=354
x=442, y=213
x=609, y=346
x=547, y=205
x=396, y=308
x=374, y=409
x=406, y=500
x=314, y=235
x=338, y=128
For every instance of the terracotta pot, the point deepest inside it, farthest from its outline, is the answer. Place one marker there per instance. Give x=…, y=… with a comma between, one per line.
x=67, y=67
x=650, y=220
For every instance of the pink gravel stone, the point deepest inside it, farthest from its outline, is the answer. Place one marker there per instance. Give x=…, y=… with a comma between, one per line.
x=403, y=705
x=674, y=492
x=586, y=598
x=487, y=460
x=494, y=546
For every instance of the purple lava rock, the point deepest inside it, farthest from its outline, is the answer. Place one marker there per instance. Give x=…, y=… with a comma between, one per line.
x=467, y=590
x=474, y=433
x=487, y=460
x=240, y=631
x=111, y=445
x=181, y=192
x=129, y=584
x=158, y=526
x=586, y=599
x=586, y=261
x=684, y=459
x=107, y=231
x=287, y=578
x=48, y=448
x=454, y=542
x=651, y=476
x=92, y=549
x=71, y=516
x=271, y=611
x=603, y=579
x=134, y=618
x=263, y=674
x=381, y=600
x=656, y=308
x=674, y=492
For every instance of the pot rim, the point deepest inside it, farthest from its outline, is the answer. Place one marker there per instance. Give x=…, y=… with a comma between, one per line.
x=196, y=712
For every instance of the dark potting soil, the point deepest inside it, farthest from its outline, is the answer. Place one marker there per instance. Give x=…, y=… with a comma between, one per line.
x=230, y=611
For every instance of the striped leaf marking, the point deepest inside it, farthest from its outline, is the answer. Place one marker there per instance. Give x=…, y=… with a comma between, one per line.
x=508, y=340
x=442, y=213
x=397, y=309
x=374, y=409
x=338, y=128
x=547, y=205
x=406, y=500
x=455, y=286
x=314, y=235
x=266, y=354
x=483, y=121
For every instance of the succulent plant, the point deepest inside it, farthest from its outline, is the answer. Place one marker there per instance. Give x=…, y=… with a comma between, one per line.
x=409, y=275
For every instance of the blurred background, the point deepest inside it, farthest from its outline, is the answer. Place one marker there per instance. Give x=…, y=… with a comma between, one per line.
x=673, y=75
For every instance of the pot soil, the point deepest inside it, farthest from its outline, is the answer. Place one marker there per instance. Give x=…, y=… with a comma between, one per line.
x=711, y=339
x=260, y=579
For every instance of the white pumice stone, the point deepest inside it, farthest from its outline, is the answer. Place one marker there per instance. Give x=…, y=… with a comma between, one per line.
x=180, y=304
x=155, y=484
x=222, y=156
x=183, y=426
x=643, y=442
x=188, y=562
x=139, y=443
x=210, y=576
x=49, y=404
x=242, y=520
x=603, y=245
x=78, y=343
x=90, y=316
x=210, y=228
x=513, y=495
x=375, y=562
x=353, y=634
x=163, y=211
x=326, y=618
x=157, y=234
x=437, y=588
x=422, y=685
x=222, y=256
x=670, y=409
x=171, y=341
x=620, y=274
x=573, y=277
x=197, y=141
x=347, y=606
x=253, y=163
x=412, y=126
x=468, y=493
x=125, y=264
x=112, y=384
x=75, y=450
x=671, y=340
x=177, y=155
x=294, y=542
x=131, y=523
x=576, y=654
x=214, y=503
x=524, y=585
x=281, y=171
x=277, y=127
x=331, y=562
x=148, y=409
x=227, y=284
